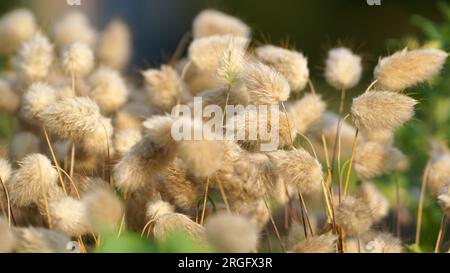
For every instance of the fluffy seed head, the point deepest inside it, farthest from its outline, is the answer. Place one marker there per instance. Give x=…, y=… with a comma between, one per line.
x=373, y=159
x=124, y=139
x=77, y=59
x=73, y=27
x=114, y=46
x=404, y=68
x=204, y=156
x=317, y=244
x=96, y=201
x=72, y=118
x=382, y=110
x=170, y=223
x=69, y=216
x=305, y=112
x=9, y=99
x=205, y=53
x=99, y=140
x=34, y=59
x=157, y=208
x=354, y=216
x=231, y=63
x=212, y=22
x=108, y=89
x=40, y=240
x=375, y=200
x=231, y=233
x=34, y=178
x=383, y=243
x=139, y=166
x=16, y=27
x=164, y=87
x=38, y=96
x=5, y=170
x=299, y=169
x=438, y=172
x=343, y=68
x=264, y=84
x=290, y=63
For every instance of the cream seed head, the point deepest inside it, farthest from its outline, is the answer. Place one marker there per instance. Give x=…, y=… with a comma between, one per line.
x=114, y=45
x=16, y=27
x=375, y=200
x=95, y=201
x=299, y=169
x=290, y=63
x=205, y=53
x=264, y=84
x=354, y=216
x=373, y=159
x=72, y=118
x=383, y=243
x=231, y=64
x=34, y=59
x=142, y=163
x=35, y=177
x=231, y=233
x=32, y=240
x=77, y=59
x=108, y=89
x=307, y=111
x=405, y=68
x=158, y=208
x=164, y=87
x=325, y=243
x=38, y=97
x=99, y=141
x=212, y=22
x=69, y=216
x=124, y=139
x=73, y=27
x=171, y=223
x=375, y=110
x=5, y=170
x=203, y=156
x=343, y=68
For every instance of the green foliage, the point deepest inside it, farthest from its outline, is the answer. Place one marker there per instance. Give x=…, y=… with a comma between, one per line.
x=129, y=242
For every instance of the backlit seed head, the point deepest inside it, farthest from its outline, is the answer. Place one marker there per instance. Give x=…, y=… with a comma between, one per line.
x=290, y=63
x=77, y=59
x=377, y=202
x=108, y=89
x=34, y=59
x=354, y=216
x=212, y=22
x=343, y=68
x=205, y=53
x=72, y=118
x=38, y=97
x=404, y=68
x=264, y=84
x=317, y=244
x=231, y=233
x=374, y=110
x=69, y=216
x=305, y=112
x=438, y=172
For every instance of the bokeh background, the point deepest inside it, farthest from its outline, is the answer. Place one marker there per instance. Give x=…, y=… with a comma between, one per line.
x=312, y=26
